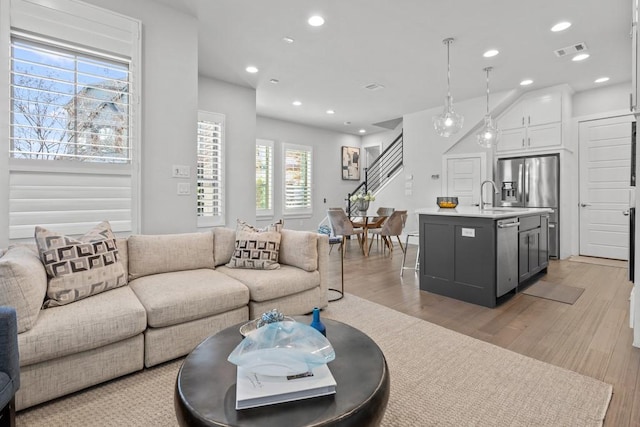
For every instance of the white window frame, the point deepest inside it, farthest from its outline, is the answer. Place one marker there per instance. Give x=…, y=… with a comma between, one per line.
x=79, y=26
x=300, y=212
x=269, y=212
x=213, y=220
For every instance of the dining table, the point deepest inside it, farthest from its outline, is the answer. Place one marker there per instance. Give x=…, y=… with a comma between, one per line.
x=367, y=222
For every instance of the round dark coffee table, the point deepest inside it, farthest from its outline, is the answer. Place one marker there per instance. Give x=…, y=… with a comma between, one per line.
x=206, y=385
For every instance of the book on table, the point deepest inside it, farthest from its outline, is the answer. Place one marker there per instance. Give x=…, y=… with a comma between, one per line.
x=253, y=390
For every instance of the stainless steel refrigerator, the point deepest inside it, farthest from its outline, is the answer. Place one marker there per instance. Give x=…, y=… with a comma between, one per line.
x=532, y=182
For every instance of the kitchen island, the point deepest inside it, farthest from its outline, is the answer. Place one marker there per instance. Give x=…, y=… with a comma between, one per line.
x=480, y=255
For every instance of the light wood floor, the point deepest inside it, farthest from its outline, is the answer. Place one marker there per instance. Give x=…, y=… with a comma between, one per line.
x=591, y=337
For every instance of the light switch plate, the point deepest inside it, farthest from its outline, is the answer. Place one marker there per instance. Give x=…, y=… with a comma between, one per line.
x=181, y=171
x=184, y=188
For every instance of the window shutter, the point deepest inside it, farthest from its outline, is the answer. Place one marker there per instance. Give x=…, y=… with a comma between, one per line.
x=70, y=143
x=210, y=196
x=298, y=179
x=264, y=178
x=68, y=105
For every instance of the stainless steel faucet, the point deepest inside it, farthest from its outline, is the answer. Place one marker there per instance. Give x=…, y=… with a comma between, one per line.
x=495, y=189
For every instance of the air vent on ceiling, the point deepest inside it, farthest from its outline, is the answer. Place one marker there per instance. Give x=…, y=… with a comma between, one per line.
x=570, y=50
x=374, y=86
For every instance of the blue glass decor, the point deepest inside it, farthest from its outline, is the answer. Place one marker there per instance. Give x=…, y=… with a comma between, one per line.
x=282, y=348
x=316, y=323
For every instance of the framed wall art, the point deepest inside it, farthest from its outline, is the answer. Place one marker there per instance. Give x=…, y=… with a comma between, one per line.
x=351, y=163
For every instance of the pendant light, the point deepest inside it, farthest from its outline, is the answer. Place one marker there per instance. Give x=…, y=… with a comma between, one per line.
x=488, y=135
x=449, y=122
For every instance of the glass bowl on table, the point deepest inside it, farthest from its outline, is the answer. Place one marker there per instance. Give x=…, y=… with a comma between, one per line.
x=447, y=202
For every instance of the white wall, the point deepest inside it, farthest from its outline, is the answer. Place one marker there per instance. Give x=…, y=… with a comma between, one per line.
x=238, y=104
x=169, y=112
x=327, y=171
x=602, y=99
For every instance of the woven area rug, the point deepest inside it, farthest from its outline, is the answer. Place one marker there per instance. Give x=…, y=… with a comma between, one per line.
x=554, y=292
x=438, y=378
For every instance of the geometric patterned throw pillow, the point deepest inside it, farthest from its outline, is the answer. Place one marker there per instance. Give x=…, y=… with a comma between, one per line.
x=256, y=248
x=79, y=268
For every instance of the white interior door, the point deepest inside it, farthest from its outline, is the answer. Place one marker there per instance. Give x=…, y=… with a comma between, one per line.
x=605, y=165
x=463, y=179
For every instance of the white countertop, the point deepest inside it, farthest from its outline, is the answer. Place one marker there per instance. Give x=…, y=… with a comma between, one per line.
x=488, y=212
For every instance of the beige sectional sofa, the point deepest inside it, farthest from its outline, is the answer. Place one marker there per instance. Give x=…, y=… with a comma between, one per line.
x=179, y=292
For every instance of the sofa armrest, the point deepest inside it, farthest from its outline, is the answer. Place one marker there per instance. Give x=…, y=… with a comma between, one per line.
x=9, y=357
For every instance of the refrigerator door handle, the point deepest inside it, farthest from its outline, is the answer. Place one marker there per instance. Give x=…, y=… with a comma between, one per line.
x=526, y=183
x=520, y=184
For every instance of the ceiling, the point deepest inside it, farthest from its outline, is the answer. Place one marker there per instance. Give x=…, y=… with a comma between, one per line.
x=398, y=44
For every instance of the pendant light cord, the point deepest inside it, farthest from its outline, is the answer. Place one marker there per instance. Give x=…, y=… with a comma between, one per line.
x=448, y=41
x=487, y=70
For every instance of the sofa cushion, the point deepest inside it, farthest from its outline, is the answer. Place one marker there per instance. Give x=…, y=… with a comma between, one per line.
x=153, y=254
x=123, y=254
x=23, y=284
x=87, y=324
x=224, y=243
x=299, y=249
x=178, y=297
x=265, y=285
x=256, y=248
x=79, y=268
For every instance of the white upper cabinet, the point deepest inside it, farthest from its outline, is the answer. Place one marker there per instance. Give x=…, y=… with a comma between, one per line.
x=532, y=122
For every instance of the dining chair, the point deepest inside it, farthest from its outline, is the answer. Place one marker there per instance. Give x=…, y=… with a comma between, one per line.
x=341, y=226
x=376, y=222
x=393, y=226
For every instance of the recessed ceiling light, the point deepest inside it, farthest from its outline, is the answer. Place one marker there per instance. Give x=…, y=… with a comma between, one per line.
x=362, y=131
x=330, y=112
x=526, y=82
x=560, y=26
x=288, y=40
x=316, y=21
x=580, y=57
x=297, y=103
x=251, y=69
x=274, y=81
x=601, y=80
x=490, y=53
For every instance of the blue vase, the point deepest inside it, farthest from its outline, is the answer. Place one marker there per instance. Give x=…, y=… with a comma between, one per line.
x=317, y=323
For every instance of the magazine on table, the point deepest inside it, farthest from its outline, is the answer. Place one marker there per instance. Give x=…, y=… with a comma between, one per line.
x=253, y=390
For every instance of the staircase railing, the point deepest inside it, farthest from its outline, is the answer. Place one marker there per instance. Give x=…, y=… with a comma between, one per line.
x=379, y=172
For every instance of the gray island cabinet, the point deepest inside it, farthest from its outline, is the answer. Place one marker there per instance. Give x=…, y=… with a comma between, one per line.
x=478, y=255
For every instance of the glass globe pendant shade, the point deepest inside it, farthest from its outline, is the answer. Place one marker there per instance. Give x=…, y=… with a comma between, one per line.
x=488, y=135
x=449, y=122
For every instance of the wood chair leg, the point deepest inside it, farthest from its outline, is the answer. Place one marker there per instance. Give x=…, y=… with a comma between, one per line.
x=387, y=243
x=400, y=243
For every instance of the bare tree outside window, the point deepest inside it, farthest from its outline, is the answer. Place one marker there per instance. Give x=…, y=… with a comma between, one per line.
x=68, y=105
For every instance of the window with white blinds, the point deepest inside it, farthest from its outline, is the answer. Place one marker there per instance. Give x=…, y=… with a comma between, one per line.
x=297, y=161
x=68, y=105
x=264, y=177
x=210, y=170
x=71, y=141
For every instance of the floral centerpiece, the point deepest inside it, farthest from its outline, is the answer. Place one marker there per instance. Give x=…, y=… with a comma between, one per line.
x=362, y=200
